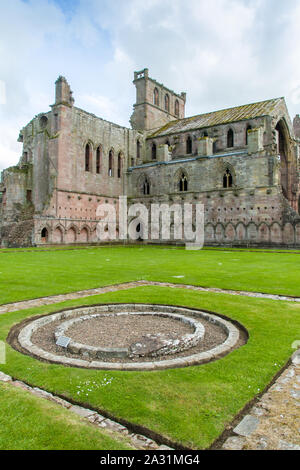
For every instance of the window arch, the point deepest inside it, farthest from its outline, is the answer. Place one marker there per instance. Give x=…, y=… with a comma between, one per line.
x=167, y=103
x=230, y=138
x=189, y=145
x=155, y=97
x=146, y=187
x=176, y=108
x=87, y=157
x=119, y=164
x=227, y=179
x=111, y=163
x=183, y=182
x=138, y=149
x=153, y=151
x=247, y=129
x=98, y=159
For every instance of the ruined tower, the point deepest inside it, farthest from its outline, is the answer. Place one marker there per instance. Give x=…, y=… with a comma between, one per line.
x=155, y=104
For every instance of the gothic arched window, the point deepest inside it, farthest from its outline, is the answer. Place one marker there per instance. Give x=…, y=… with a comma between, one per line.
x=146, y=187
x=167, y=103
x=227, y=179
x=155, y=97
x=138, y=149
x=87, y=157
x=176, y=108
x=111, y=163
x=183, y=182
x=98, y=159
x=189, y=145
x=153, y=151
x=247, y=129
x=230, y=138
x=119, y=165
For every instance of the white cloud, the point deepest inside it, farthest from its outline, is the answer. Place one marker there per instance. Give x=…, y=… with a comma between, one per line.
x=222, y=53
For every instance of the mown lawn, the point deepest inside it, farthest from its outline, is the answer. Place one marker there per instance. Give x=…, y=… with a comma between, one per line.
x=31, y=423
x=190, y=405
x=25, y=275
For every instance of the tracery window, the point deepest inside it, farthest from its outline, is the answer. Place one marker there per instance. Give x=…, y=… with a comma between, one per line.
x=227, y=179
x=183, y=182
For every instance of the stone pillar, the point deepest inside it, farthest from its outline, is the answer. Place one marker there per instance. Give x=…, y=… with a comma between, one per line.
x=255, y=140
x=163, y=153
x=205, y=146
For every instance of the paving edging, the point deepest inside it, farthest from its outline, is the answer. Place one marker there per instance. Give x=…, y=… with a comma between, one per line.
x=52, y=299
x=138, y=441
x=266, y=426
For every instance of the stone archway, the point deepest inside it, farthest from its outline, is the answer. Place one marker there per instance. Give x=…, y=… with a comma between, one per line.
x=44, y=235
x=57, y=235
x=71, y=235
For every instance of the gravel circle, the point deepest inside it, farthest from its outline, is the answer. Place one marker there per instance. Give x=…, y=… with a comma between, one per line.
x=122, y=331
x=214, y=335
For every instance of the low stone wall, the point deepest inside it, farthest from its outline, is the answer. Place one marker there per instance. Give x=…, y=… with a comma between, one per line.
x=231, y=341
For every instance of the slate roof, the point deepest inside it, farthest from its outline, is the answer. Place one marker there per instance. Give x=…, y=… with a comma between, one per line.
x=223, y=116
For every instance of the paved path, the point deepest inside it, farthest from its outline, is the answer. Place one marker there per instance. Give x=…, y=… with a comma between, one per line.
x=273, y=423
x=53, y=299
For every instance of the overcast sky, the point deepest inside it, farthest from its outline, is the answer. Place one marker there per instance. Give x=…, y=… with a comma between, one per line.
x=223, y=53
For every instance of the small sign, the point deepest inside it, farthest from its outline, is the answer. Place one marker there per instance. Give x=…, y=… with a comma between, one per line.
x=63, y=341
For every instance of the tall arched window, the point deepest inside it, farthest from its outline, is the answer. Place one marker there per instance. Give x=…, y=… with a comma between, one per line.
x=227, y=179
x=189, y=145
x=119, y=165
x=155, y=97
x=230, y=138
x=176, y=108
x=153, y=151
x=146, y=187
x=183, y=182
x=167, y=103
x=87, y=157
x=138, y=149
x=247, y=129
x=98, y=159
x=111, y=163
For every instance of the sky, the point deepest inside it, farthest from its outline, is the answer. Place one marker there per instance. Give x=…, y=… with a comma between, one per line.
x=222, y=53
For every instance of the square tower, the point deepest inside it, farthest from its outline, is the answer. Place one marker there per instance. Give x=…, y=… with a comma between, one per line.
x=155, y=104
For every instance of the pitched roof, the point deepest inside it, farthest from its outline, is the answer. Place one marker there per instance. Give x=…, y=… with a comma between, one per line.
x=223, y=116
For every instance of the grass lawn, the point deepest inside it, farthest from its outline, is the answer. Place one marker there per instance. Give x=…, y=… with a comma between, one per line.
x=190, y=405
x=31, y=274
x=31, y=423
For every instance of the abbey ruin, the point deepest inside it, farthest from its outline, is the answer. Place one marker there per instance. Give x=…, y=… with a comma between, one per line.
x=241, y=163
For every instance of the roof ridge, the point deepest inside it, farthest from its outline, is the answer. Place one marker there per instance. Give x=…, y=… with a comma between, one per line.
x=232, y=107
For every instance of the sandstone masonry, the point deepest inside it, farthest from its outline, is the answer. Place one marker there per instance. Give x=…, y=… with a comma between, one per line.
x=242, y=163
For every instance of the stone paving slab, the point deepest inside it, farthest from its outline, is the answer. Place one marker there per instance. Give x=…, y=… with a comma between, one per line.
x=273, y=423
x=247, y=426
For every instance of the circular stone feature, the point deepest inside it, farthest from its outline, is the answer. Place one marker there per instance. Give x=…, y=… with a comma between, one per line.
x=134, y=337
x=138, y=344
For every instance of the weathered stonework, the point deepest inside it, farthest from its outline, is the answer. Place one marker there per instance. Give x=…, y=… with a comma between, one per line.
x=242, y=163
